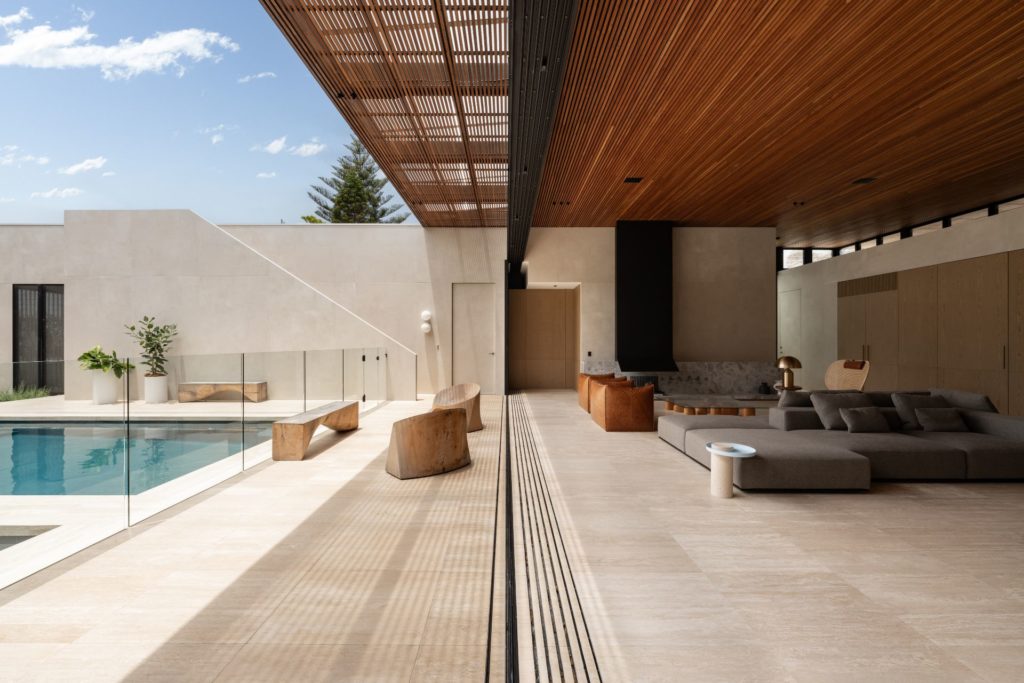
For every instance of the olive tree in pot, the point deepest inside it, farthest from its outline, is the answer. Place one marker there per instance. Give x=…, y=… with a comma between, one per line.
x=106, y=369
x=154, y=340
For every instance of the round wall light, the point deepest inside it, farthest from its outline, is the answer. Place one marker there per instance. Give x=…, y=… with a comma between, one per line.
x=425, y=328
x=425, y=316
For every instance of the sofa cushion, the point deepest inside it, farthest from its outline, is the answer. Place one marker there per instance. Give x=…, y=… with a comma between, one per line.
x=940, y=420
x=897, y=456
x=988, y=457
x=994, y=424
x=790, y=419
x=791, y=398
x=906, y=404
x=827, y=406
x=966, y=400
x=673, y=427
x=864, y=420
x=784, y=460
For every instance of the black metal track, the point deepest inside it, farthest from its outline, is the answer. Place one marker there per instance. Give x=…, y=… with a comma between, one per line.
x=541, y=37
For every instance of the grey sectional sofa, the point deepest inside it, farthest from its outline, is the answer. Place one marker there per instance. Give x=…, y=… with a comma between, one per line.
x=795, y=451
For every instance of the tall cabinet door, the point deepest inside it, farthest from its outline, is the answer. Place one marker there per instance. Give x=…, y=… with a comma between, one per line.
x=919, y=333
x=850, y=330
x=973, y=326
x=882, y=339
x=1016, y=320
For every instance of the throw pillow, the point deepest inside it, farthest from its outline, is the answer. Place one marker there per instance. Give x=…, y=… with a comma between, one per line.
x=864, y=420
x=827, y=406
x=906, y=404
x=794, y=399
x=941, y=420
x=966, y=400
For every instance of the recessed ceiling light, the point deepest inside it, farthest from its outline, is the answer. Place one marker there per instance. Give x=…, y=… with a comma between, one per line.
x=633, y=179
x=864, y=181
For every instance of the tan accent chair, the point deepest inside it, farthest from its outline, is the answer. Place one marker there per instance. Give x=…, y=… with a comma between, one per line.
x=428, y=444
x=621, y=407
x=598, y=382
x=847, y=374
x=583, y=388
x=466, y=397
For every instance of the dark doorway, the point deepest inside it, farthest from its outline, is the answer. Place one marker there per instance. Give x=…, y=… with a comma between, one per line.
x=39, y=337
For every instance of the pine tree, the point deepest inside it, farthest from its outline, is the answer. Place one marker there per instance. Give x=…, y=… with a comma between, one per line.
x=354, y=192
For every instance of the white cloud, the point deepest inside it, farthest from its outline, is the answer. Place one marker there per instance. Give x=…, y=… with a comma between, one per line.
x=9, y=156
x=272, y=147
x=308, y=149
x=83, y=166
x=43, y=47
x=264, y=174
x=12, y=19
x=58, y=193
x=86, y=15
x=217, y=138
x=6, y=200
x=107, y=174
x=256, y=77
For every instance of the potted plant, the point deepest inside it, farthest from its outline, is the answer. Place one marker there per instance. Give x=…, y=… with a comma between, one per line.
x=155, y=340
x=106, y=370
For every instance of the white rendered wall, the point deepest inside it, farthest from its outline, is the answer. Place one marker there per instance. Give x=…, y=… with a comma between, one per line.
x=227, y=298
x=811, y=333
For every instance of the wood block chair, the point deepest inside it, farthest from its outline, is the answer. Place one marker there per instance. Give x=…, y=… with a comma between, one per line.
x=847, y=374
x=466, y=397
x=583, y=388
x=428, y=444
x=621, y=407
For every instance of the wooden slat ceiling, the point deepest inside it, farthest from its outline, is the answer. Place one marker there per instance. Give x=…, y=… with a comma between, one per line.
x=424, y=85
x=759, y=113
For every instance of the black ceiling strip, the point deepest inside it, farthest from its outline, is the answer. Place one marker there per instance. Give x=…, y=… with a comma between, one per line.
x=540, y=41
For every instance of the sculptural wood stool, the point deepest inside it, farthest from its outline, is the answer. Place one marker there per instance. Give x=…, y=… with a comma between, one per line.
x=428, y=444
x=291, y=436
x=465, y=396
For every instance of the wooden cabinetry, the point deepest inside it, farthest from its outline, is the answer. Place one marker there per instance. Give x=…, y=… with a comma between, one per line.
x=973, y=312
x=918, y=323
x=1015, y=351
x=868, y=328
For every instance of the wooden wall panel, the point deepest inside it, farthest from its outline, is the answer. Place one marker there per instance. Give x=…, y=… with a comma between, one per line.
x=764, y=113
x=882, y=337
x=851, y=333
x=543, y=338
x=1016, y=341
x=918, y=323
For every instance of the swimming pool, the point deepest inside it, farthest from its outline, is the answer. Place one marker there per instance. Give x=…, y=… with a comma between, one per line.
x=88, y=458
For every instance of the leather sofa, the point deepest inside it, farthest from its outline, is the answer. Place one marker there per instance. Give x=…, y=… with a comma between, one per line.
x=621, y=407
x=795, y=451
x=583, y=388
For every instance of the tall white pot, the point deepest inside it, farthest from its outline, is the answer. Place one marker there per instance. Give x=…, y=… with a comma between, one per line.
x=155, y=389
x=104, y=387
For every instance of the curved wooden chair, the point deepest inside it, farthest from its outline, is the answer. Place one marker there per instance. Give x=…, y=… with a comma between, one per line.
x=466, y=397
x=847, y=374
x=428, y=444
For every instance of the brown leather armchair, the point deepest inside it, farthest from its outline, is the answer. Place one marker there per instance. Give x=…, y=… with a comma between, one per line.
x=621, y=407
x=583, y=388
x=598, y=382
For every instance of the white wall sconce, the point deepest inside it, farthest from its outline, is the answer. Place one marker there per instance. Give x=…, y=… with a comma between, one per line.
x=425, y=317
x=425, y=328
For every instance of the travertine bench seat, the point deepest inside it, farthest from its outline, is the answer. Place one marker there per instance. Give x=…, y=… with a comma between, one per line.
x=253, y=392
x=293, y=434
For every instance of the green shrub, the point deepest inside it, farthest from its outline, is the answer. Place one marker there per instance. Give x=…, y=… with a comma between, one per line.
x=23, y=392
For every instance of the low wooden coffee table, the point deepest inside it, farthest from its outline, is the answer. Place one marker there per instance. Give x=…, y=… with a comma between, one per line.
x=699, y=404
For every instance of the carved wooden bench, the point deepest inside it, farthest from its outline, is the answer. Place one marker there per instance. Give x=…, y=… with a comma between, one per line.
x=427, y=444
x=253, y=392
x=292, y=434
x=465, y=396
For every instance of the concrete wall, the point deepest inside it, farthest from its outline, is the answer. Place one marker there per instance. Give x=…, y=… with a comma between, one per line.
x=724, y=289
x=807, y=295
x=268, y=289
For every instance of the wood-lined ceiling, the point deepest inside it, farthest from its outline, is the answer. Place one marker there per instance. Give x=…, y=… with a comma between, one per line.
x=424, y=85
x=760, y=113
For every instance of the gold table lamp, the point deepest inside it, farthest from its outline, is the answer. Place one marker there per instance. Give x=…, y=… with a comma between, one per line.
x=788, y=363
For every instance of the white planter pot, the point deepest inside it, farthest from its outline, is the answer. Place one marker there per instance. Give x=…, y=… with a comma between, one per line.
x=104, y=387
x=155, y=390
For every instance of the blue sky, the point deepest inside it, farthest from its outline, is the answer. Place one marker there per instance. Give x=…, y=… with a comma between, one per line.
x=154, y=104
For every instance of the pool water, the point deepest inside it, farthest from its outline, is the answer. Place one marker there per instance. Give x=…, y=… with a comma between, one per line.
x=88, y=458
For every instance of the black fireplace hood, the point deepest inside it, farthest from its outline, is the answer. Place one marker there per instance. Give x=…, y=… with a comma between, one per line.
x=643, y=296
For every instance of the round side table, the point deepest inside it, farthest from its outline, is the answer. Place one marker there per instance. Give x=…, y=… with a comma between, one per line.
x=722, y=455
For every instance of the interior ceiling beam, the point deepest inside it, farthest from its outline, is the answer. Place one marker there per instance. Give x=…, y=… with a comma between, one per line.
x=424, y=86
x=765, y=113
x=541, y=36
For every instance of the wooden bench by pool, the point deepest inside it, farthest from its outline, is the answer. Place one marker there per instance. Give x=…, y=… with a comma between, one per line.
x=293, y=434
x=253, y=392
